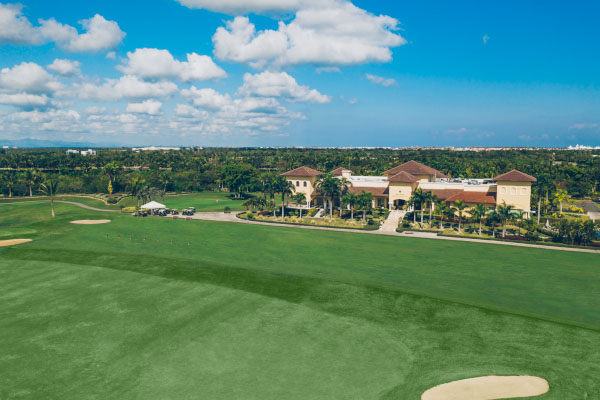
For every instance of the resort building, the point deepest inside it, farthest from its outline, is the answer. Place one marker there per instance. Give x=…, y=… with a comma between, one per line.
x=395, y=187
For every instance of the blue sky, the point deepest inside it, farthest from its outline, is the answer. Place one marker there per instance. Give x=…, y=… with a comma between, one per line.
x=301, y=72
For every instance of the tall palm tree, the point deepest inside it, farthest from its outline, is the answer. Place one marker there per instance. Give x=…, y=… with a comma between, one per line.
x=460, y=206
x=431, y=199
x=411, y=203
x=451, y=215
x=31, y=178
x=9, y=178
x=350, y=200
x=559, y=197
x=300, y=199
x=344, y=184
x=493, y=218
x=479, y=212
x=421, y=198
x=284, y=187
x=505, y=214
x=365, y=202
x=543, y=186
x=328, y=186
x=440, y=209
x=49, y=188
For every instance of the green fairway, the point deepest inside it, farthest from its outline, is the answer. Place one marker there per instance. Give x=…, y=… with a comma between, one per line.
x=153, y=308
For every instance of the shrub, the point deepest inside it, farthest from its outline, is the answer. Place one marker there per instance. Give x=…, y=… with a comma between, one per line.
x=112, y=200
x=250, y=215
x=128, y=209
x=227, y=210
x=406, y=224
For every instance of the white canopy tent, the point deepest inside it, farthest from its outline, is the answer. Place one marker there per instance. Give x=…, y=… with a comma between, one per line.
x=153, y=205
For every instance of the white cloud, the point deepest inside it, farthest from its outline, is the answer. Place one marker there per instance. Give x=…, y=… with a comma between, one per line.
x=206, y=98
x=332, y=32
x=65, y=67
x=149, y=107
x=485, y=39
x=379, y=80
x=582, y=126
x=237, y=7
x=187, y=111
x=111, y=55
x=28, y=77
x=24, y=99
x=129, y=87
x=155, y=63
x=100, y=34
x=279, y=84
x=15, y=28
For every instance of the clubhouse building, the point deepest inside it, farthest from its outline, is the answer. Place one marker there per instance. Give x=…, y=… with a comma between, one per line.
x=395, y=187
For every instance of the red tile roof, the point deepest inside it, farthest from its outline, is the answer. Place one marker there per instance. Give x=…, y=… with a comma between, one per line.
x=403, y=177
x=414, y=168
x=474, y=197
x=443, y=194
x=515, y=176
x=302, y=171
x=377, y=192
x=338, y=171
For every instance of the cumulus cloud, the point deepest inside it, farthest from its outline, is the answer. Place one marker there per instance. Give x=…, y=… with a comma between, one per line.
x=583, y=126
x=328, y=33
x=65, y=67
x=379, y=80
x=28, y=77
x=100, y=34
x=187, y=111
x=279, y=84
x=24, y=99
x=236, y=7
x=155, y=63
x=206, y=98
x=149, y=107
x=128, y=87
x=485, y=39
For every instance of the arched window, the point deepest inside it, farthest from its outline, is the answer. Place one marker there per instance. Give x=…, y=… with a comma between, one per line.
x=304, y=183
x=297, y=183
x=503, y=190
x=523, y=191
x=513, y=190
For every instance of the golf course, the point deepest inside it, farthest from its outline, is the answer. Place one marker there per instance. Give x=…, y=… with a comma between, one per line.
x=157, y=308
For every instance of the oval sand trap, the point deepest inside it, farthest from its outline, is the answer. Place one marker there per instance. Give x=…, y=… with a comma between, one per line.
x=12, y=242
x=91, y=221
x=488, y=388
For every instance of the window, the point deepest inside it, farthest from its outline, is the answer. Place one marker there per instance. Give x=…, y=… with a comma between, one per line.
x=513, y=190
x=523, y=191
x=297, y=183
x=503, y=190
x=304, y=183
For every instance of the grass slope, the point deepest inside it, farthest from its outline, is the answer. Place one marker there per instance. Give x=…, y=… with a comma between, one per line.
x=255, y=312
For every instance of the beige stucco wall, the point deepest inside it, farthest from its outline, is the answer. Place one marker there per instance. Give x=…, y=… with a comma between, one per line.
x=400, y=191
x=517, y=194
x=298, y=182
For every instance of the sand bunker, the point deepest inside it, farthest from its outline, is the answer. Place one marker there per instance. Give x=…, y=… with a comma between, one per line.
x=91, y=221
x=488, y=388
x=12, y=242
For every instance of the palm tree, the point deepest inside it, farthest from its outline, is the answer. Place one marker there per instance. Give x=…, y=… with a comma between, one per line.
x=135, y=186
x=559, y=197
x=411, y=203
x=284, y=187
x=543, y=186
x=300, y=199
x=421, y=198
x=49, y=188
x=344, y=184
x=460, y=206
x=479, y=212
x=9, y=178
x=440, y=209
x=431, y=199
x=328, y=186
x=31, y=178
x=350, y=200
x=365, y=203
x=450, y=214
x=504, y=213
x=493, y=218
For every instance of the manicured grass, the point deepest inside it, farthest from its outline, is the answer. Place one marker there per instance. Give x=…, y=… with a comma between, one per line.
x=261, y=312
x=203, y=201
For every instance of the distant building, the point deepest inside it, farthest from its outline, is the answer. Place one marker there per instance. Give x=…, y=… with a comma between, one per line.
x=396, y=186
x=88, y=152
x=153, y=148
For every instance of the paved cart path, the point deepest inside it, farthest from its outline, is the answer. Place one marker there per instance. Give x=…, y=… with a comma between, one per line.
x=231, y=217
